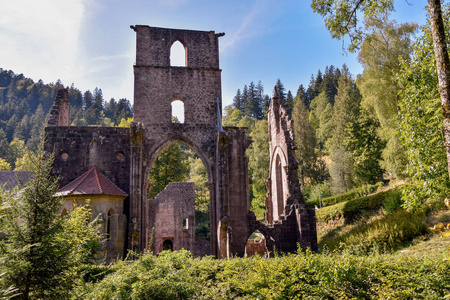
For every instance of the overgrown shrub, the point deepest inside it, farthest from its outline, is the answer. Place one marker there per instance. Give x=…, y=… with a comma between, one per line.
x=176, y=275
x=350, y=210
x=384, y=235
x=315, y=192
x=355, y=193
x=393, y=201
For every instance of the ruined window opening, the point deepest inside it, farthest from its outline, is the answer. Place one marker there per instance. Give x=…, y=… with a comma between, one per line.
x=185, y=223
x=279, y=185
x=108, y=223
x=256, y=244
x=64, y=155
x=167, y=245
x=178, y=55
x=119, y=155
x=177, y=111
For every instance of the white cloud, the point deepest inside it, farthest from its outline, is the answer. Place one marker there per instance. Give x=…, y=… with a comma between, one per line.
x=252, y=24
x=41, y=38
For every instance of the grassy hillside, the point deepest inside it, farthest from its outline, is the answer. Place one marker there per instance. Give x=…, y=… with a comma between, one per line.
x=377, y=224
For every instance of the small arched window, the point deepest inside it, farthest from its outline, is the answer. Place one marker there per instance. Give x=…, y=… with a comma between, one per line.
x=168, y=245
x=108, y=222
x=279, y=185
x=178, y=57
x=177, y=111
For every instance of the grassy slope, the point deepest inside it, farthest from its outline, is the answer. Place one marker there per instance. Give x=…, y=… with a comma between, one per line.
x=376, y=225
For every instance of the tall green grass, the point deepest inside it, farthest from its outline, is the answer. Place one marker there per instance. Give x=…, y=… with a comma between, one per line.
x=392, y=232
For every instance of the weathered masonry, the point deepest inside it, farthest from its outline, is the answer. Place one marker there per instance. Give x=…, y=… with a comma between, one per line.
x=125, y=155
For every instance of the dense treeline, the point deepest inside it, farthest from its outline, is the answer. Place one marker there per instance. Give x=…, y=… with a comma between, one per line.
x=24, y=105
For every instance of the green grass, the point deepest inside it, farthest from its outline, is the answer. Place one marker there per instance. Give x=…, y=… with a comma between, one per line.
x=351, y=210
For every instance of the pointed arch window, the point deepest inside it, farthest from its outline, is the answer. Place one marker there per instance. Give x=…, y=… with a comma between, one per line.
x=279, y=186
x=178, y=55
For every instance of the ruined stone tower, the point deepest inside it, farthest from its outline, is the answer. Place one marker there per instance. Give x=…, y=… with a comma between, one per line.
x=198, y=86
x=125, y=156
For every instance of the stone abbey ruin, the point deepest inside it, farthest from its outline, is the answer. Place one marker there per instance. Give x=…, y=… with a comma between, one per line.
x=111, y=165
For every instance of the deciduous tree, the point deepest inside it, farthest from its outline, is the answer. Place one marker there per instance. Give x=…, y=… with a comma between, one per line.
x=341, y=19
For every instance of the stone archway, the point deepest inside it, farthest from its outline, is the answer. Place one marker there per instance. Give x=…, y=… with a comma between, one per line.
x=176, y=204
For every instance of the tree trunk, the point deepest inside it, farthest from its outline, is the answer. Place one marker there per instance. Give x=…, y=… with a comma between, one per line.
x=442, y=66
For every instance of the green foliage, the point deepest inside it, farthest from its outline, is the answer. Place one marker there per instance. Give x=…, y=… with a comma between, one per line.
x=176, y=275
x=26, y=162
x=350, y=195
x=251, y=103
x=42, y=252
x=312, y=194
x=350, y=210
x=202, y=224
x=385, y=44
x=341, y=17
x=258, y=164
x=311, y=167
x=393, y=201
x=384, y=235
x=4, y=165
x=232, y=116
x=321, y=121
x=421, y=125
x=198, y=175
x=366, y=148
x=346, y=112
x=170, y=166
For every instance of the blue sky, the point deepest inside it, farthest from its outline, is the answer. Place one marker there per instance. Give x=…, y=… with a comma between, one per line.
x=90, y=43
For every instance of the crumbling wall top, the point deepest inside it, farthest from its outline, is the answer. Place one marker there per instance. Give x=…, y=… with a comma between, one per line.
x=154, y=43
x=59, y=114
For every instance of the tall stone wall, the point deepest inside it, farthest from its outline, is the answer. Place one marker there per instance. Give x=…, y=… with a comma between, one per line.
x=172, y=217
x=198, y=86
x=78, y=149
x=289, y=220
x=232, y=188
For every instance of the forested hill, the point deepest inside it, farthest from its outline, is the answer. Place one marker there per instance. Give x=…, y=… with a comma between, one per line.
x=24, y=105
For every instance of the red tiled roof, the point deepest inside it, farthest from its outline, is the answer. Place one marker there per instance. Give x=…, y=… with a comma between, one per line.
x=91, y=183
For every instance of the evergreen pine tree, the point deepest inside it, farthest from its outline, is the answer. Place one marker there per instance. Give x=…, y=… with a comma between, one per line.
x=237, y=101
x=289, y=103
x=346, y=112
x=280, y=91
x=40, y=251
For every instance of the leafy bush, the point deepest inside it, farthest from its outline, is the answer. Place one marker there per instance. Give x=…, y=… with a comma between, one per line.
x=393, y=201
x=384, y=235
x=355, y=193
x=312, y=194
x=350, y=210
x=176, y=275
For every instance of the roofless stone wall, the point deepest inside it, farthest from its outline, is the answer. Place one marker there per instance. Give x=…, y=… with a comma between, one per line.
x=77, y=149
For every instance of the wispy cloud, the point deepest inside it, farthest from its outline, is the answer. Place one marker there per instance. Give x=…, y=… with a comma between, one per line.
x=251, y=25
x=40, y=38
